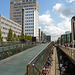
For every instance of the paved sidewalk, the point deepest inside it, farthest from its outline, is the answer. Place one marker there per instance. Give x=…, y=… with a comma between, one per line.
x=55, y=65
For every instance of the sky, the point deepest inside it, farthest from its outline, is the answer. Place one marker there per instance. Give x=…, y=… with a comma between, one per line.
x=54, y=15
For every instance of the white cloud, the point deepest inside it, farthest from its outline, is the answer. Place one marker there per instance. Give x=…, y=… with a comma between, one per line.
x=70, y=1
x=64, y=11
x=65, y=25
x=46, y=19
x=51, y=29
x=57, y=7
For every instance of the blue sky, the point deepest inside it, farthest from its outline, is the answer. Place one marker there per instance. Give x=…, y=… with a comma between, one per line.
x=54, y=15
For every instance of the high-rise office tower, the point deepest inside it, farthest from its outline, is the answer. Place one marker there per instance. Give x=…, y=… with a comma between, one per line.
x=26, y=13
x=73, y=28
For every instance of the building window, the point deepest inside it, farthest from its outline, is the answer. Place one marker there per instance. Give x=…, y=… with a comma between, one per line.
x=8, y=21
x=2, y=22
x=11, y=2
x=3, y=18
x=16, y=7
x=6, y=24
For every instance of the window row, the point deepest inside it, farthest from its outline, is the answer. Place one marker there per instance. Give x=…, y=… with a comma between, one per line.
x=29, y=33
x=17, y=15
x=12, y=31
x=29, y=11
x=10, y=26
x=17, y=18
x=17, y=12
x=29, y=20
x=9, y=22
x=30, y=27
x=29, y=23
x=29, y=17
x=30, y=30
x=29, y=14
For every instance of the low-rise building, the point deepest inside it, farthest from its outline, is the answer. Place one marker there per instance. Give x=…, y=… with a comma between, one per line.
x=59, y=41
x=6, y=24
x=66, y=38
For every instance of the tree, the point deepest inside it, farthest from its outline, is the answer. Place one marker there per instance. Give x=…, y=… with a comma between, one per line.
x=1, y=39
x=10, y=35
x=19, y=37
x=15, y=37
x=25, y=36
x=22, y=36
x=29, y=38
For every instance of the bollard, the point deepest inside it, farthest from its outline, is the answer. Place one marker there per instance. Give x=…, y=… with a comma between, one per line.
x=39, y=61
x=74, y=55
x=9, y=51
x=71, y=53
x=33, y=70
x=28, y=70
x=22, y=46
x=16, y=49
x=43, y=57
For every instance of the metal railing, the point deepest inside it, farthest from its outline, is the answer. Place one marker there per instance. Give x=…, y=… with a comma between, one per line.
x=69, y=51
x=8, y=51
x=8, y=43
x=35, y=66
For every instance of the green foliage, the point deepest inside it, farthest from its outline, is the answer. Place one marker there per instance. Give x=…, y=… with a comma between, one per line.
x=10, y=35
x=15, y=37
x=25, y=36
x=22, y=36
x=18, y=36
x=29, y=38
x=1, y=39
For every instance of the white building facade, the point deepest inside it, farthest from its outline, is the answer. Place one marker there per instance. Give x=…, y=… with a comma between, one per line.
x=6, y=24
x=31, y=22
x=26, y=13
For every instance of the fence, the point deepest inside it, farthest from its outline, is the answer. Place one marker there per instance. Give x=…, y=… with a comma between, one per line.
x=69, y=51
x=35, y=66
x=8, y=51
x=8, y=43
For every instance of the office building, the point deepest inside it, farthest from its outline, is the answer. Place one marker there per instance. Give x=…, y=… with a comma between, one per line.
x=66, y=38
x=73, y=28
x=48, y=38
x=26, y=13
x=6, y=24
x=59, y=40
x=39, y=34
x=43, y=36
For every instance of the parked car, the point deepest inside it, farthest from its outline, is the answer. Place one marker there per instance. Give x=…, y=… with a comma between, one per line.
x=24, y=40
x=43, y=42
